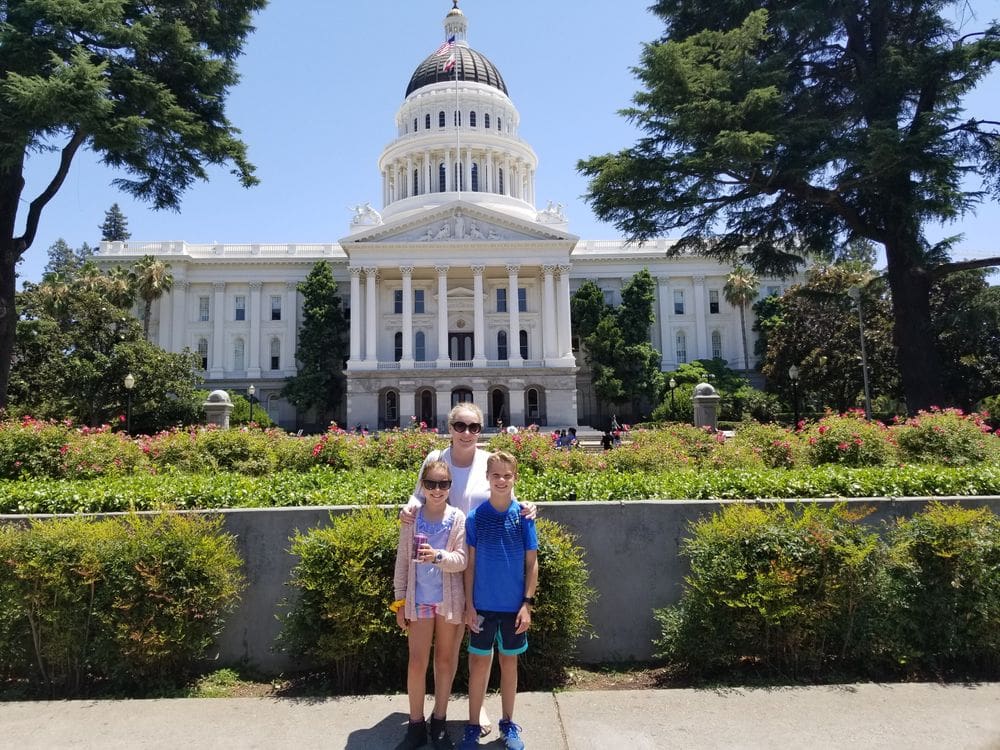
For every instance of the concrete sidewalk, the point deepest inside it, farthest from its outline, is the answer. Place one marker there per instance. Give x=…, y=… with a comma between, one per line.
x=910, y=716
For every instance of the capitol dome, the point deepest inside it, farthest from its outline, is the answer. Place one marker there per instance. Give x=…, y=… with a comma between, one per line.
x=472, y=66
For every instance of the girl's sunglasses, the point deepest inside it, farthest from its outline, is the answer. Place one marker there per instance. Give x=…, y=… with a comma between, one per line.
x=474, y=427
x=436, y=484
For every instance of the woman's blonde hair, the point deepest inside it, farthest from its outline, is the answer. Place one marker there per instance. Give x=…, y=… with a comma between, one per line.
x=465, y=406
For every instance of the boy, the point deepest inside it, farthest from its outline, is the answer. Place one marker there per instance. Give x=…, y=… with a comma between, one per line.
x=500, y=583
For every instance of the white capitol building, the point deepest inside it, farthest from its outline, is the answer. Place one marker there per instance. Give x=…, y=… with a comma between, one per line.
x=458, y=288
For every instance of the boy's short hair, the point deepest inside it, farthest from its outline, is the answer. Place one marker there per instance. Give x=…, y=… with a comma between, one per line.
x=501, y=457
x=443, y=465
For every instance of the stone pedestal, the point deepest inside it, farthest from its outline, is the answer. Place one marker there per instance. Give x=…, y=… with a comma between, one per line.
x=706, y=406
x=218, y=407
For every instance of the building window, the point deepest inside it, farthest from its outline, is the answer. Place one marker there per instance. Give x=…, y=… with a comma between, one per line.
x=501, y=345
x=522, y=299
x=203, y=309
x=442, y=178
x=414, y=124
x=397, y=346
x=416, y=182
x=475, y=178
x=500, y=179
x=501, y=300
x=391, y=409
x=427, y=121
x=678, y=302
x=716, y=345
x=418, y=301
x=682, y=354
x=461, y=396
x=203, y=353
x=472, y=119
x=441, y=119
x=241, y=307
x=524, y=344
x=713, y=301
x=499, y=124
x=275, y=307
x=419, y=347
x=773, y=291
x=457, y=117
x=532, y=399
x=609, y=297
x=397, y=301
x=486, y=121
x=275, y=354
x=239, y=355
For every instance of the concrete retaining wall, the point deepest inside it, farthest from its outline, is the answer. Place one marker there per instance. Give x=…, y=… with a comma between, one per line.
x=631, y=550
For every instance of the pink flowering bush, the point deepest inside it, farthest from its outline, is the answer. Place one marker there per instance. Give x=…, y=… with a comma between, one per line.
x=98, y=452
x=334, y=448
x=397, y=449
x=848, y=439
x=533, y=450
x=32, y=448
x=946, y=436
x=777, y=447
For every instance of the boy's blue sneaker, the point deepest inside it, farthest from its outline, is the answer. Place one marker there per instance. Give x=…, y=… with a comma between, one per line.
x=511, y=734
x=471, y=737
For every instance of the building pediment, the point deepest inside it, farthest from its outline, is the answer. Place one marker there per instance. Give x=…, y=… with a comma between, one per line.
x=458, y=223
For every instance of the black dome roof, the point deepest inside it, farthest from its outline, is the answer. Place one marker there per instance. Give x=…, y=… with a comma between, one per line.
x=472, y=66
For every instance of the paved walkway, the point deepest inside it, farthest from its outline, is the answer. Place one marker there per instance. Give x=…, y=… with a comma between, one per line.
x=912, y=716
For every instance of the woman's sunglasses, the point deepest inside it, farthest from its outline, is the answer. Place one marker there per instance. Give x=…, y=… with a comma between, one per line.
x=436, y=484
x=474, y=427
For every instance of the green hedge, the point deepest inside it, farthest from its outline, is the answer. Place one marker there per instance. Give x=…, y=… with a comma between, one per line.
x=344, y=579
x=129, y=602
x=812, y=592
x=387, y=486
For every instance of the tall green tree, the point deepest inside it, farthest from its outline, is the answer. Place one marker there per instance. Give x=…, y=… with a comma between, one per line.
x=323, y=347
x=740, y=290
x=152, y=279
x=142, y=85
x=66, y=261
x=771, y=130
x=114, y=228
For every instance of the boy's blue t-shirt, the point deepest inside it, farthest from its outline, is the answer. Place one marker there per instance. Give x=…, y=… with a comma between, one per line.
x=500, y=539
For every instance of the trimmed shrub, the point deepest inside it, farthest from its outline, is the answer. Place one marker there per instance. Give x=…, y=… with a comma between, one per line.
x=848, y=439
x=774, y=588
x=944, y=582
x=344, y=585
x=132, y=602
x=777, y=446
x=945, y=436
x=533, y=450
x=31, y=448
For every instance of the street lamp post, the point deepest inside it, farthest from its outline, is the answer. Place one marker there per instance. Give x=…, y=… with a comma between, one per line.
x=129, y=385
x=855, y=294
x=250, y=391
x=793, y=375
x=673, y=387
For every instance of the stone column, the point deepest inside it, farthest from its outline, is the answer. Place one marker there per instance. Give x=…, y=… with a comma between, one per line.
x=468, y=169
x=507, y=176
x=700, y=326
x=407, y=357
x=180, y=321
x=408, y=189
x=564, y=323
x=514, y=318
x=548, y=313
x=427, y=173
x=218, y=319
x=407, y=403
x=164, y=317
x=371, y=314
x=356, y=317
x=448, y=170
x=290, y=312
x=479, y=319
x=443, y=358
x=663, y=313
x=253, y=371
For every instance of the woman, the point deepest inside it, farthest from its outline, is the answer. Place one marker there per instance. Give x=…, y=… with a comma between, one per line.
x=469, y=485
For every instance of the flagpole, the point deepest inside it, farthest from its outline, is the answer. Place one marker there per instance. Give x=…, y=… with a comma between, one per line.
x=458, y=130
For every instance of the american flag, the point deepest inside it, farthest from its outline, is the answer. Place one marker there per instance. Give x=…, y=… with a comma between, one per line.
x=446, y=47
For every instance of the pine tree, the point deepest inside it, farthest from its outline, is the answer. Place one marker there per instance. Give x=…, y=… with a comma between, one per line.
x=115, y=226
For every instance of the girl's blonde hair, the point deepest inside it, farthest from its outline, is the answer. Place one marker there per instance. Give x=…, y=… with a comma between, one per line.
x=442, y=465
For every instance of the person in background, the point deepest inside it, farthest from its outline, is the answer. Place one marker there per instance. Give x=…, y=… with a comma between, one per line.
x=607, y=442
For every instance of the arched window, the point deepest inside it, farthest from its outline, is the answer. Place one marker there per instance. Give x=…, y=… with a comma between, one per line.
x=501, y=345
x=486, y=121
x=275, y=353
x=441, y=119
x=475, y=177
x=239, y=355
x=500, y=180
x=716, y=345
x=524, y=344
x=532, y=403
x=499, y=124
x=472, y=119
x=442, y=178
x=203, y=353
x=391, y=408
x=416, y=182
x=419, y=347
x=461, y=395
x=414, y=124
x=398, y=345
x=681, y=347
x=427, y=121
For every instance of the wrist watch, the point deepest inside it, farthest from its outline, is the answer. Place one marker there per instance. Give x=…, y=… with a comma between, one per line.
x=439, y=556
x=529, y=600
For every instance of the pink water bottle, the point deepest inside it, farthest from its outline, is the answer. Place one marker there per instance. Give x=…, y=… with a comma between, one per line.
x=418, y=539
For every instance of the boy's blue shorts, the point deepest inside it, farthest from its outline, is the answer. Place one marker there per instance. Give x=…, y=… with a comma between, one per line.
x=497, y=627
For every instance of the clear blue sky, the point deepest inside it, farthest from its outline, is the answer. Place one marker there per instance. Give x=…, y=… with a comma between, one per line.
x=322, y=80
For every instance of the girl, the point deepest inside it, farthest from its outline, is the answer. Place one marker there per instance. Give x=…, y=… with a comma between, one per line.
x=430, y=601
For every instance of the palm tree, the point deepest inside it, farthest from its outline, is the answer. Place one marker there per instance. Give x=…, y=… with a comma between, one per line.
x=152, y=281
x=740, y=290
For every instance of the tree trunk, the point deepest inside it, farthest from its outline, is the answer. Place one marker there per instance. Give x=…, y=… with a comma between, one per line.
x=11, y=249
x=147, y=311
x=743, y=331
x=917, y=355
